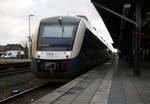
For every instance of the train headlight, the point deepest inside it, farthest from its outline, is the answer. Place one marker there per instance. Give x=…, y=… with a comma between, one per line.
x=68, y=54
x=39, y=53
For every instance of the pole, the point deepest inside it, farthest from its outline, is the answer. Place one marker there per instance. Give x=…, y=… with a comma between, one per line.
x=30, y=42
x=137, y=71
x=29, y=39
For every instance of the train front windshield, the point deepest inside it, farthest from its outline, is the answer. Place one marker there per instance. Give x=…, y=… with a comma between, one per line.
x=56, y=37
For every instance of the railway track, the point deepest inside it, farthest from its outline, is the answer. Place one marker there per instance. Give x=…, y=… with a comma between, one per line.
x=8, y=99
x=12, y=71
x=23, y=93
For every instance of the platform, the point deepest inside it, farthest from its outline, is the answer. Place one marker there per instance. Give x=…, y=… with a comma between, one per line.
x=109, y=83
x=12, y=61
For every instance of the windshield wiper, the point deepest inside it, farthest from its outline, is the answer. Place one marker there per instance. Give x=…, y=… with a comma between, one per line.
x=61, y=24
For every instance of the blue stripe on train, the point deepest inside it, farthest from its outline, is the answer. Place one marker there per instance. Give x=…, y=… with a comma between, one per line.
x=77, y=62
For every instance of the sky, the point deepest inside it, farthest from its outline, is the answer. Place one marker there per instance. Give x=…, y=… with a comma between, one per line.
x=14, y=16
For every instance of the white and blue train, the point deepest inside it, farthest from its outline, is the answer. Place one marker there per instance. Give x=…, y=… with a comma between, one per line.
x=65, y=46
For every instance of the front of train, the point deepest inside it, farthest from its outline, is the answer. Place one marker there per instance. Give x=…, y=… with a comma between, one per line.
x=54, y=50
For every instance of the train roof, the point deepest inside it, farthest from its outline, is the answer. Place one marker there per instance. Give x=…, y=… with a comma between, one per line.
x=73, y=19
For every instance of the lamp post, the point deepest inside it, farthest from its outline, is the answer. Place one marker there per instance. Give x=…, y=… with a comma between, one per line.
x=30, y=41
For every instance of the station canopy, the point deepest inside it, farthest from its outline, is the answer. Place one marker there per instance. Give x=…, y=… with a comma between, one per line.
x=115, y=25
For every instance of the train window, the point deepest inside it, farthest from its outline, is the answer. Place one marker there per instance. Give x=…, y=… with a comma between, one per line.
x=56, y=37
x=56, y=31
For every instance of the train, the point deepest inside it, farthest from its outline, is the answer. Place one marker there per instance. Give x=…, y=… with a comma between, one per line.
x=65, y=47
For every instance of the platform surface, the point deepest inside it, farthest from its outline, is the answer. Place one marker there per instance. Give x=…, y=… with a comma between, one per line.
x=9, y=61
x=109, y=83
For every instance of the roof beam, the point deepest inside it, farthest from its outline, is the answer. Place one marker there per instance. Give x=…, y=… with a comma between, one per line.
x=146, y=20
x=114, y=13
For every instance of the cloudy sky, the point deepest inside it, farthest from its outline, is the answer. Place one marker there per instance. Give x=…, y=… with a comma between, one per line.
x=14, y=16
